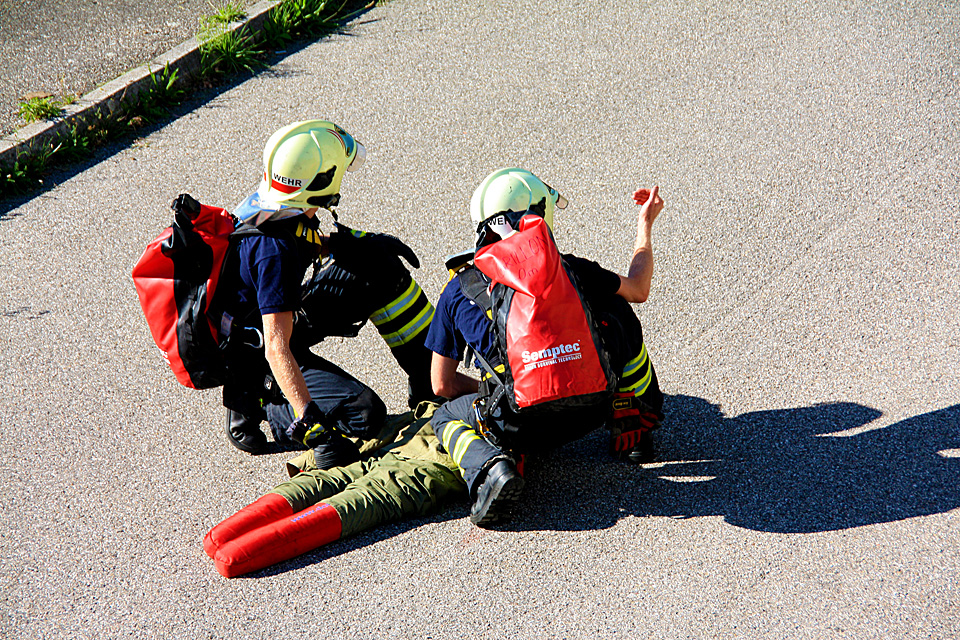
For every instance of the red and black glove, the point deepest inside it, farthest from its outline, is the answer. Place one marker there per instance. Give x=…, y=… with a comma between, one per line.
x=631, y=427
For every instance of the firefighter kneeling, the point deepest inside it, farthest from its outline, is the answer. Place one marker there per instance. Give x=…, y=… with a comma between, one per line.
x=560, y=349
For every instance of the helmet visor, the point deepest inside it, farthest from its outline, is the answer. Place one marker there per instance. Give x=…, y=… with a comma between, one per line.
x=558, y=200
x=359, y=156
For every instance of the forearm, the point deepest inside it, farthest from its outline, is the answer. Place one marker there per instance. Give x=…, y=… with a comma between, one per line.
x=464, y=384
x=635, y=286
x=277, y=329
x=287, y=373
x=447, y=381
x=640, y=271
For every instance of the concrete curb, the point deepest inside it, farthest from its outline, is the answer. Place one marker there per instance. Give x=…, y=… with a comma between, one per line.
x=106, y=100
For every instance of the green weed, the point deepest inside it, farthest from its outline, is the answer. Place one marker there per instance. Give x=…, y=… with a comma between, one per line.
x=298, y=19
x=25, y=174
x=155, y=102
x=223, y=15
x=228, y=53
x=36, y=109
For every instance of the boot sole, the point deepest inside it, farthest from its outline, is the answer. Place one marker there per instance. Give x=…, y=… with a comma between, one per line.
x=500, y=501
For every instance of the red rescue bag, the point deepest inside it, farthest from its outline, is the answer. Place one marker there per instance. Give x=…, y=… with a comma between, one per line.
x=552, y=354
x=176, y=279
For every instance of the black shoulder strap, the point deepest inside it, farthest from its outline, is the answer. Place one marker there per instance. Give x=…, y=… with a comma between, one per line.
x=475, y=285
x=220, y=310
x=245, y=229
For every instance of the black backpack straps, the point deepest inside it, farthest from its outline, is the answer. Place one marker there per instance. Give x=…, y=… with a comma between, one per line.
x=475, y=285
x=486, y=365
x=222, y=306
x=245, y=229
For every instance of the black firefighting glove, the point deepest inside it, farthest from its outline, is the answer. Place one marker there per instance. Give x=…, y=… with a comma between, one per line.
x=363, y=251
x=308, y=426
x=315, y=431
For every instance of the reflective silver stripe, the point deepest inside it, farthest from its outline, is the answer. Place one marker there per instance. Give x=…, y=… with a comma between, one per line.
x=641, y=385
x=636, y=363
x=452, y=427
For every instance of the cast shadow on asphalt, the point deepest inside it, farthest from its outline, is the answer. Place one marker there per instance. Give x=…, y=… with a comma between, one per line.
x=358, y=541
x=778, y=471
x=800, y=470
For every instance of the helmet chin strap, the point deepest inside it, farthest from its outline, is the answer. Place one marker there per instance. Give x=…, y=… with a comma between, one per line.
x=327, y=202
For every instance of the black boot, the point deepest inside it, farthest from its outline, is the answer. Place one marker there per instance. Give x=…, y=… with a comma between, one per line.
x=497, y=495
x=244, y=433
x=643, y=451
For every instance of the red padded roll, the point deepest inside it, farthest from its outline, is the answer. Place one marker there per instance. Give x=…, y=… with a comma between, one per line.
x=281, y=540
x=265, y=510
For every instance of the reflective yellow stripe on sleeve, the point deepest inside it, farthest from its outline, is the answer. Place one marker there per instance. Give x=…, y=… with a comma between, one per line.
x=404, y=318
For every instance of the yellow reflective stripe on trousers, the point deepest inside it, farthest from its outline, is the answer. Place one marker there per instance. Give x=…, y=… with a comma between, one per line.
x=415, y=326
x=636, y=363
x=399, y=305
x=641, y=386
x=467, y=437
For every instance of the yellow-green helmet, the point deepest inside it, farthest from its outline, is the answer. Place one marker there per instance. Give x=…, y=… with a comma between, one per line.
x=514, y=190
x=303, y=165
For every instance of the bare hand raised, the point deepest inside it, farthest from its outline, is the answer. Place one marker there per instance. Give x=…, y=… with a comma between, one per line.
x=650, y=202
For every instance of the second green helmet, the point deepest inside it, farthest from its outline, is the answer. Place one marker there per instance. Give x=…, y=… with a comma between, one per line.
x=514, y=190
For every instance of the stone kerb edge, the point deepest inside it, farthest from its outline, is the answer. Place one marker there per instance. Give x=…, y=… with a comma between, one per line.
x=107, y=99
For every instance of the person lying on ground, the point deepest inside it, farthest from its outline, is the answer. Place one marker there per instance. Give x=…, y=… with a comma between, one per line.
x=409, y=477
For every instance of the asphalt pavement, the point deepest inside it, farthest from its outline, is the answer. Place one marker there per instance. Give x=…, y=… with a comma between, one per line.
x=67, y=48
x=804, y=322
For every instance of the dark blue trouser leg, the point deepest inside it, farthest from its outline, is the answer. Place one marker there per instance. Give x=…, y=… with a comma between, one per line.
x=350, y=405
x=455, y=424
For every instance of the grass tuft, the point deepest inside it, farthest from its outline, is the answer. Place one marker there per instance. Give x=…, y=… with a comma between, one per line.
x=223, y=53
x=223, y=15
x=36, y=109
x=229, y=53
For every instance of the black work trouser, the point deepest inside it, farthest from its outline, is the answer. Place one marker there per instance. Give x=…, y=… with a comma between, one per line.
x=350, y=405
x=622, y=335
x=474, y=450
x=339, y=299
x=345, y=402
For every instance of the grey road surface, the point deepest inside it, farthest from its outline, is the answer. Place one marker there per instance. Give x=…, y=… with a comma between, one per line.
x=805, y=322
x=65, y=47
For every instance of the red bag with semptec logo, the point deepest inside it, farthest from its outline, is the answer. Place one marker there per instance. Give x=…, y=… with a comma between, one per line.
x=552, y=355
